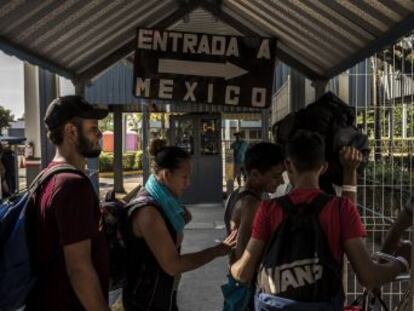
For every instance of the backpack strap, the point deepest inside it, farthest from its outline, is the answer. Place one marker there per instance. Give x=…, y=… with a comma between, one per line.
x=287, y=207
x=285, y=203
x=235, y=197
x=319, y=202
x=142, y=199
x=48, y=173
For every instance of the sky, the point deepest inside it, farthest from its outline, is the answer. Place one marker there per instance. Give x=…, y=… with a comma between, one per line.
x=11, y=84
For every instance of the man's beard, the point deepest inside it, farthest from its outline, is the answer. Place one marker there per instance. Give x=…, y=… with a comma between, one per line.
x=87, y=148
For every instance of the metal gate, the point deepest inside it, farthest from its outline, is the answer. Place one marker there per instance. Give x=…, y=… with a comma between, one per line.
x=199, y=134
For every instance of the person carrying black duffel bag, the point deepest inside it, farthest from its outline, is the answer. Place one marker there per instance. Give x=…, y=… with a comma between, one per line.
x=334, y=120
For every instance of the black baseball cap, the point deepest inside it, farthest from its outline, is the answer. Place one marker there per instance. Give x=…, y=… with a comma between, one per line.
x=64, y=108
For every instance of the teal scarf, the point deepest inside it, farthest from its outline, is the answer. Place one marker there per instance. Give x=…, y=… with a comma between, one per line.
x=170, y=205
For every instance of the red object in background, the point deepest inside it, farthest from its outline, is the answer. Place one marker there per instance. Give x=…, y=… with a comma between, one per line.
x=108, y=141
x=353, y=308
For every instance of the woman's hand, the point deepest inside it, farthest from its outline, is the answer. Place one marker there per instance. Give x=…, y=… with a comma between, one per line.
x=225, y=247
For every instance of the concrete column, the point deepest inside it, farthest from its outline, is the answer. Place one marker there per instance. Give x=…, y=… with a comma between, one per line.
x=227, y=130
x=118, y=135
x=32, y=119
x=145, y=140
x=40, y=88
x=297, y=90
x=31, y=107
x=48, y=91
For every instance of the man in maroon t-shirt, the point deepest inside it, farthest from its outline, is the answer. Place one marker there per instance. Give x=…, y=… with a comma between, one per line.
x=69, y=247
x=343, y=228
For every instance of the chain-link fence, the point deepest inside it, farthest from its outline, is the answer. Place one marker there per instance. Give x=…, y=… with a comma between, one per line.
x=382, y=92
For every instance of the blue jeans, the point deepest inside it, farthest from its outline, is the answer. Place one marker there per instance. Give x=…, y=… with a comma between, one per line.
x=267, y=302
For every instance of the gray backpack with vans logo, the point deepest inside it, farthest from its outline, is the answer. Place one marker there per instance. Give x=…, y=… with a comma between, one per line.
x=298, y=271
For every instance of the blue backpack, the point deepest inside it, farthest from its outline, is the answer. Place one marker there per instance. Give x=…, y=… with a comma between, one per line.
x=17, y=277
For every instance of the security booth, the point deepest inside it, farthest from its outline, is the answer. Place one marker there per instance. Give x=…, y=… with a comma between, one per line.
x=200, y=135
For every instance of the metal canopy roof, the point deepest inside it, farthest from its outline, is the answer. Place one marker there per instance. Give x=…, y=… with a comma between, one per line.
x=81, y=38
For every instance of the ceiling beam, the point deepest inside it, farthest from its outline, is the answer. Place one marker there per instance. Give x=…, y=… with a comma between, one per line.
x=29, y=56
x=130, y=47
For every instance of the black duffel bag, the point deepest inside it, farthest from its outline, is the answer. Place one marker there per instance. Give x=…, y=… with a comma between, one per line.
x=334, y=120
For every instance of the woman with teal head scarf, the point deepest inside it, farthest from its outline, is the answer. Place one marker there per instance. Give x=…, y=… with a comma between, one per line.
x=156, y=220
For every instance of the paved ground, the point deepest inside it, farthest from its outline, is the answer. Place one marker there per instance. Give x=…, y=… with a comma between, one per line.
x=200, y=289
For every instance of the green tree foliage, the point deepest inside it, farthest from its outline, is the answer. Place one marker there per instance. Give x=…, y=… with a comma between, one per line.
x=130, y=161
x=5, y=118
x=107, y=124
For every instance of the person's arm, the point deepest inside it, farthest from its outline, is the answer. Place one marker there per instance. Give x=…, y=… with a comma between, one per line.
x=83, y=277
x=248, y=207
x=369, y=273
x=245, y=268
x=402, y=223
x=350, y=159
x=156, y=235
